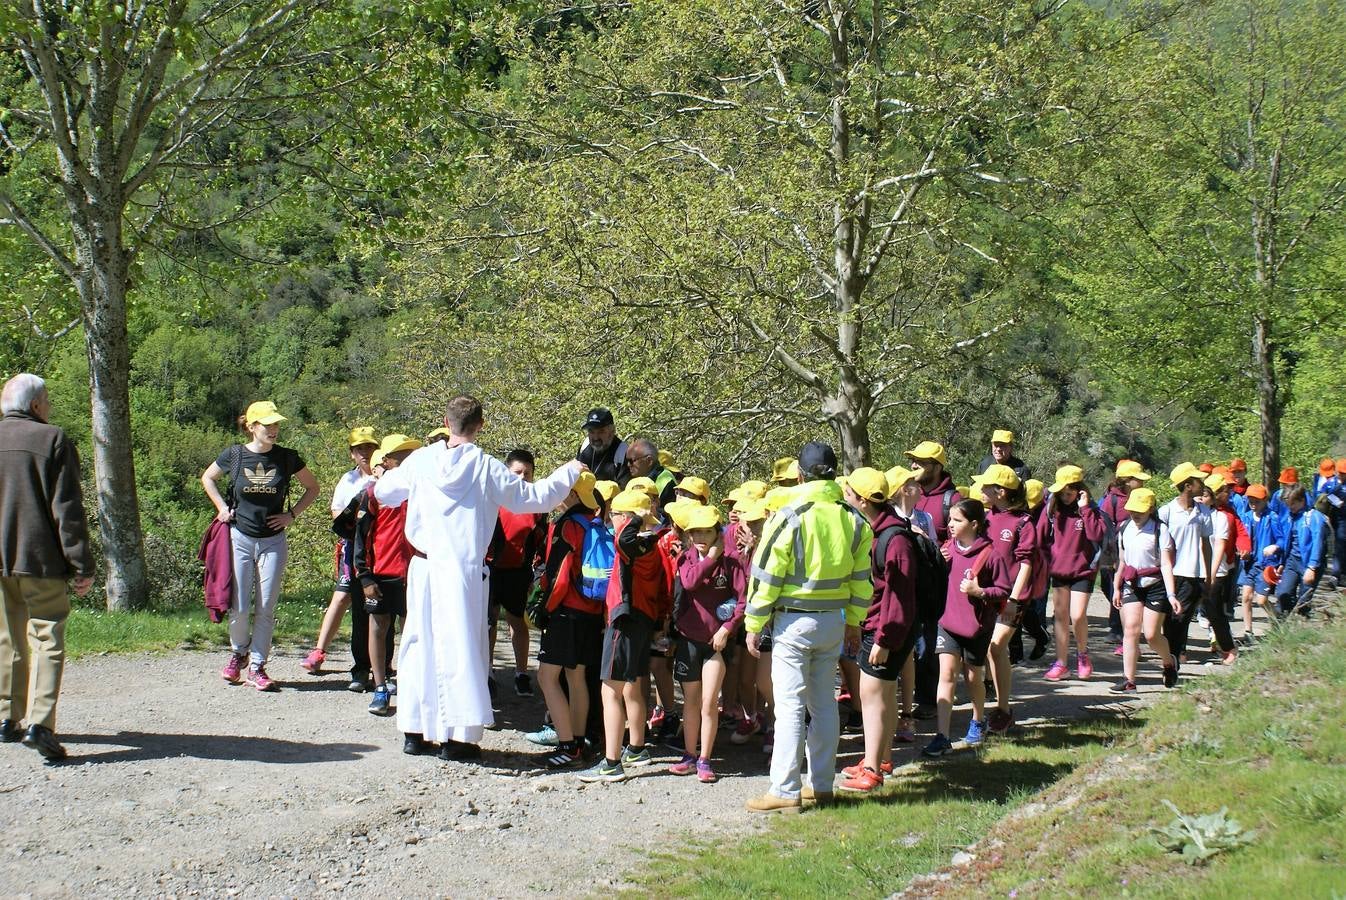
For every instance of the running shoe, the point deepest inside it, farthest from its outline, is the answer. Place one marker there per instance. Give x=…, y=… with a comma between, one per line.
x=862, y=782
x=1119, y=650
x=360, y=683
x=233, y=669
x=1170, y=676
x=938, y=747
x=603, y=771
x=523, y=685
x=1056, y=672
x=1125, y=686
x=1084, y=667
x=1202, y=621
x=1248, y=639
x=906, y=730
x=636, y=759
x=684, y=766
x=258, y=678
x=704, y=773
x=381, y=705
x=1000, y=721
x=564, y=757
x=854, y=724
x=312, y=663
x=1039, y=648
x=745, y=729
x=976, y=733
x=543, y=737
x=851, y=771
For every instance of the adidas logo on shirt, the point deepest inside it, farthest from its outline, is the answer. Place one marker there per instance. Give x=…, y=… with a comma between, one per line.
x=259, y=480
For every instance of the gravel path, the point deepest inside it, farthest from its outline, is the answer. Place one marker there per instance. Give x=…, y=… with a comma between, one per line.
x=181, y=785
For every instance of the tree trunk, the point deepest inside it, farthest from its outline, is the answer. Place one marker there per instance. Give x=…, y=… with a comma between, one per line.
x=103, y=271
x=1268, y=399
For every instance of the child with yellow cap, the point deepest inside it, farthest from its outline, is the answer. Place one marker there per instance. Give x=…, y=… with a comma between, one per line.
x=1142, y=588
x=1077, y=530
x=1128, y=475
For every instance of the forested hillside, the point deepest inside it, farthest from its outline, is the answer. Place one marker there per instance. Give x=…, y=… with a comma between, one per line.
x=1114, y=228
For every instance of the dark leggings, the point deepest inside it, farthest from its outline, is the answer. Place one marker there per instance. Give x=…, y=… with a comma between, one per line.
x=1191, y=594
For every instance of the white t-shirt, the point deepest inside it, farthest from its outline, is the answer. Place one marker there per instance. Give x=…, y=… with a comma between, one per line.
x=347, y=487
x=1219, y=530
x=1184, y=532
x=1139, y=548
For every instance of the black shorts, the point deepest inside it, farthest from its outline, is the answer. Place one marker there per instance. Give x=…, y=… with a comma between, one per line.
x=971, y=650
x=572, y=639
x=1079, y=585
x=690, y=656
x=509, y=591
x=626, y=648
x=393, y=601
x=1154, y=597
x=890, y=670
x=345, y=567
x=1189, y=592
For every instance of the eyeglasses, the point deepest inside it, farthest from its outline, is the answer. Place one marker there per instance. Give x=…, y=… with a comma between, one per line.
x=636, y=459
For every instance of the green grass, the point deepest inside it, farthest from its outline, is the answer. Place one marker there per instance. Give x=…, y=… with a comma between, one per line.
x=870, y=847
x=91, y=631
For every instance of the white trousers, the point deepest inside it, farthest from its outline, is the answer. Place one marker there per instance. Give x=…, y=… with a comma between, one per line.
x=805, y=648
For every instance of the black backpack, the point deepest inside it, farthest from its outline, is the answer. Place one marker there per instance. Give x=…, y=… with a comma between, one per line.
x=932, y=574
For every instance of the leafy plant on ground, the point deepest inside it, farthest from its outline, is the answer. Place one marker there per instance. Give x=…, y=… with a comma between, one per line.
x=1198, y=838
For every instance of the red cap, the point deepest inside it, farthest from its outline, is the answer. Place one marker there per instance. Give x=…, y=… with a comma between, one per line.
x=1289, y=475
x=1326, y=467
x=1271, y=575
x=1206, y=468
x=1237, y=465
x=1257, y=492
x=1341, y=466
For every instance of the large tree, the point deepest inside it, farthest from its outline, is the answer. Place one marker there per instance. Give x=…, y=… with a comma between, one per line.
x=112, y=118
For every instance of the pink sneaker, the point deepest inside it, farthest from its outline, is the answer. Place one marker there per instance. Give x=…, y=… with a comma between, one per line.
x=746, y=728
x=312, y=663
x=906, y=730
x=258, y=678
x=233, y=669
x=1117, y=651
x=684, y=766
x=1056, y=672
x=704, y=773
x=1083, y=667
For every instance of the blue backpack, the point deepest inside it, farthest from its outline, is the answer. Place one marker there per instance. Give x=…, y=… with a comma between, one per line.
x=596, y=558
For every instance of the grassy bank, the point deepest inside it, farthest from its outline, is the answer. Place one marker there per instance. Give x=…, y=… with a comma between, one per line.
x=92, y=631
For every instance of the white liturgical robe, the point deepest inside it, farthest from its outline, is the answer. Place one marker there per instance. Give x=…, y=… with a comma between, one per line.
x=453, y=495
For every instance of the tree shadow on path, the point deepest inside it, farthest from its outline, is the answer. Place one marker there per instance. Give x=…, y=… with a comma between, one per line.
x=139, y=746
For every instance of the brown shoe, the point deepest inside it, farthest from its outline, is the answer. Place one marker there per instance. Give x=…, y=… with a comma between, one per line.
x=811, y=798
x=770, y=803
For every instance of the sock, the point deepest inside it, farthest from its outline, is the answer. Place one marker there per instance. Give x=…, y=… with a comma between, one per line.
x=635, y=748
x=611, y=762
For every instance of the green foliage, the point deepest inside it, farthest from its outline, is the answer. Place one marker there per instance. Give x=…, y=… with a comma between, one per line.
x=1198, y=838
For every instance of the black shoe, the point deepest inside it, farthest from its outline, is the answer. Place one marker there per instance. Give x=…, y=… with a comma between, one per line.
x=1039, y=648
x=854, y=724
x=923, y=711
x=11, y=732
x=416, y=745
x=1125, y=686
x=43, y=741
x=360, y=683
x=457, y=751
x=1170, y=676
x=523, y=685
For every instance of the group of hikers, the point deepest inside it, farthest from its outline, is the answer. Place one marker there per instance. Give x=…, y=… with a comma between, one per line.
x=893, y=584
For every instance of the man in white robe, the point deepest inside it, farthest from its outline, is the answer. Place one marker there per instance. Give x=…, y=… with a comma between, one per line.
x=453, y=493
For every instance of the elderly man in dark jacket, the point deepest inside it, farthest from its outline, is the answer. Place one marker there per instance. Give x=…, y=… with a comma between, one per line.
x=44, y=542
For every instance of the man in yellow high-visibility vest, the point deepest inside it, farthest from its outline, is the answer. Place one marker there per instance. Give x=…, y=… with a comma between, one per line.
x=811, y=581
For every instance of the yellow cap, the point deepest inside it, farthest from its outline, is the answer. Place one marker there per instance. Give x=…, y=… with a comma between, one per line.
x=1129, y=468
x=677, y=512
x=645, y=486
x=263, y=412
x=1033, y=492
x=898, y=476
x=751, y=510
x=929, y=450
x=1215, y=481
x=701, y=516
x=607, y=490
x=748, y=490
x=1001, y=476
x=1185, y=472
x=1140, y=500
x=1066, y=476
x=438, y=432
x=395, y=443
x=362, y=436
x=777, y=497
x=869, y=484
x=1002, y=436
x=965, y=489
x=635, y=502
x=584, y=489
x=694, y=485
x=785, y=471
x=666, y=460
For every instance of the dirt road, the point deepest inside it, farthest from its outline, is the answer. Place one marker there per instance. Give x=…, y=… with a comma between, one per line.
x=181, y=785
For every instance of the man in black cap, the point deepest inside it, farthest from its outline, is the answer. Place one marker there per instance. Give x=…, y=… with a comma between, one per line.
x=602, y=451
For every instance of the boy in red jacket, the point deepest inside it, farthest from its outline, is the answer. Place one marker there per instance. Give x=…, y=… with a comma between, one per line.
x=637, y=600
x=515, y=548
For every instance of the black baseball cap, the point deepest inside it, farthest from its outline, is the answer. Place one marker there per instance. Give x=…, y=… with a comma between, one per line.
x=597, y=418
x=817, y=460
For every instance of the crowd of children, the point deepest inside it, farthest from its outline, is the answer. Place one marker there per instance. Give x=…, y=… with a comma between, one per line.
x=640, y=581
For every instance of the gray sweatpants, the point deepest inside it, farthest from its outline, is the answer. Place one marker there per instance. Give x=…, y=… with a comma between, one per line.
x=259, y=567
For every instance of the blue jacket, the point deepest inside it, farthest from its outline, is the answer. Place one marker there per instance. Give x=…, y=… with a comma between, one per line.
x=1334, y=489
x=1277, y=503
x=1271, y=528
x=1308, y=533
